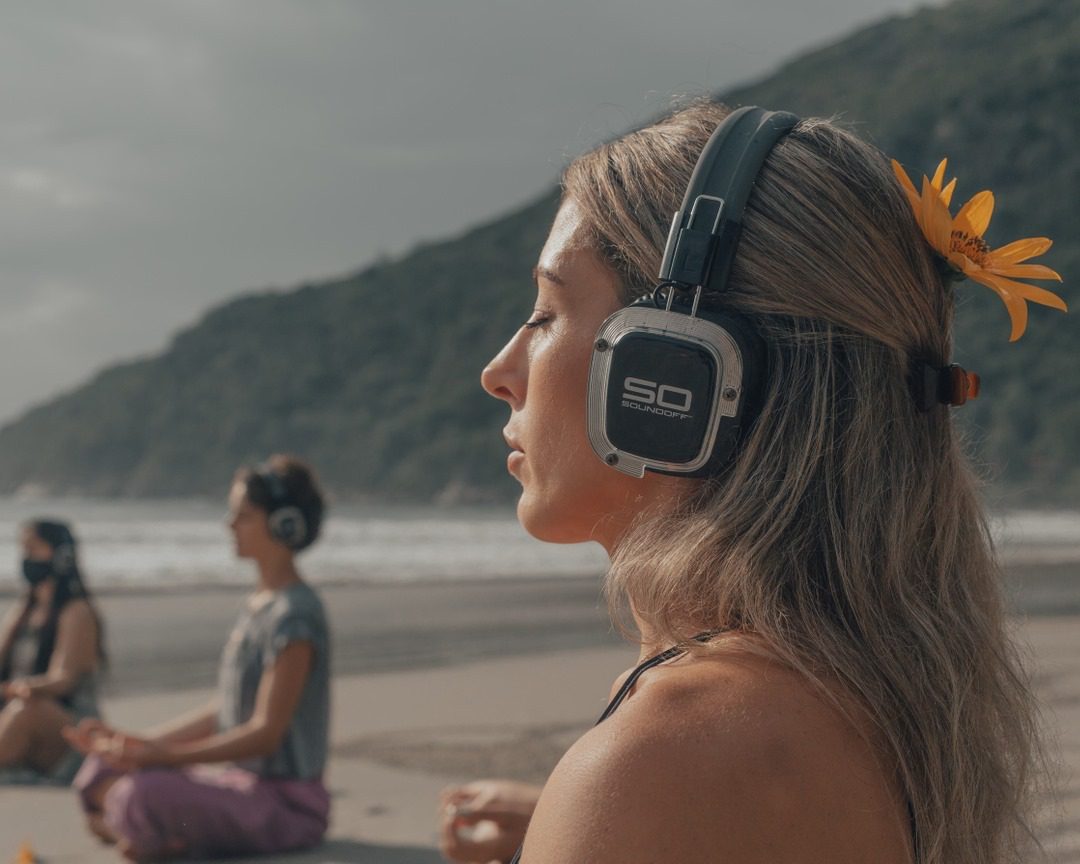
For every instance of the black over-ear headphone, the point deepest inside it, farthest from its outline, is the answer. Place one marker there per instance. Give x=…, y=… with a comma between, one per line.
x=285, y=520
x=63, y=559
x=672, y=386
x=59, y=536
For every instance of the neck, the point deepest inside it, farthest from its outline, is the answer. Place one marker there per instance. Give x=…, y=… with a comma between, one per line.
x=656, y=499
x=653, y=496
x=277, y=572
x=650, y=643
x=43, y=593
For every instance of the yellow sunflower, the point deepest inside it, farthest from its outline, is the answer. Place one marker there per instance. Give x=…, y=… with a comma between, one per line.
x=960, y=241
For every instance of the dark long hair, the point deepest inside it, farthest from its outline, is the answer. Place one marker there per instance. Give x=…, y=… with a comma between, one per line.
x=69, y=586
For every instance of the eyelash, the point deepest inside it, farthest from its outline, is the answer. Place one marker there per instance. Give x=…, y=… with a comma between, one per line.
x=533, y=323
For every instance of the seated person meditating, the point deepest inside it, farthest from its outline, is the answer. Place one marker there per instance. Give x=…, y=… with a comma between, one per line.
x=158, y=795
x=51, y=649
x=763, y=442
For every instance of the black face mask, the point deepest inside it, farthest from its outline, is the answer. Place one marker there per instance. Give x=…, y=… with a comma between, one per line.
x=36, y=572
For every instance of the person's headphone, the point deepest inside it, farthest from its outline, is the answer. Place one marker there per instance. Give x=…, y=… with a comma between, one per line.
x=285, y=520
x=63, y=559
x=672, y=386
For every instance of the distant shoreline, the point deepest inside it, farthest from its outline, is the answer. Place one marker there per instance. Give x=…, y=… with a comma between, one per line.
x=237, y=588
x=1023, y=565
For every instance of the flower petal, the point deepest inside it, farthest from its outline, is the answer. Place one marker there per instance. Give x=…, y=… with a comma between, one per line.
x=1021, y=250
x=939, y=175
x=1029, y=292
x=969, y=267
x=1016, y=306
x=946, y=193
x=908, y=186
x=974, y=217
x=1023, y=271
x=935, y=219
x=960, y=261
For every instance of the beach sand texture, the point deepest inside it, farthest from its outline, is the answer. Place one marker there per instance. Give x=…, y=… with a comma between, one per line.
x=511, y=674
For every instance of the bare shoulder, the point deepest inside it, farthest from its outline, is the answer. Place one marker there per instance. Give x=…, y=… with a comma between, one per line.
x=77, y=622
x=77, y=613
x=727, y=757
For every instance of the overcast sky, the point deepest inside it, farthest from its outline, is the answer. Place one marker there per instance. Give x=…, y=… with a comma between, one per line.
x=159, y=156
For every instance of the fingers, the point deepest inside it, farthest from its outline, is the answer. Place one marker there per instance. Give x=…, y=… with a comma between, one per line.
x=17, y=689
x=85, y=735
x=80, y=737
x=118, y=752
x=458, y=804
x=89, y=728
x=464, y=792
x=484, y=820
x=454, y=843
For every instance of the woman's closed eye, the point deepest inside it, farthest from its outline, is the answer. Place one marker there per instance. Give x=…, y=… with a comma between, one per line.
x=537, y=320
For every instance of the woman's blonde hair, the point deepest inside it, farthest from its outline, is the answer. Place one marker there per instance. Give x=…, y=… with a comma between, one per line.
x=847, y=534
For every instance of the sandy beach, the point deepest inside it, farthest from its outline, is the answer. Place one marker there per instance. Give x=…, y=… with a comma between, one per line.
x=435, y=684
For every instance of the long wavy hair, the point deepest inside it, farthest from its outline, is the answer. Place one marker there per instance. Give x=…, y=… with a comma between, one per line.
x=69, y=586
x=846, y=535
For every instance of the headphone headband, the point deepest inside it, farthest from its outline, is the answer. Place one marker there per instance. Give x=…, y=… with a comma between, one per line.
x=705, y=230
x=274, y=484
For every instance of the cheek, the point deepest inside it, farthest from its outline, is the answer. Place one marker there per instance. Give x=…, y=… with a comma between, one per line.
x=248, y=532
x=568, y=489
x=558, y=390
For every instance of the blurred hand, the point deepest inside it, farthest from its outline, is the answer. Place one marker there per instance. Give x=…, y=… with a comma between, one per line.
x=83, y=735
x=125, y=752
x=484, y=822
x=17, y=688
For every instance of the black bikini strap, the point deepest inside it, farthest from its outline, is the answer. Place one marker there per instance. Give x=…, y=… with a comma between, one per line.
x=631, y=680
x=639, y=670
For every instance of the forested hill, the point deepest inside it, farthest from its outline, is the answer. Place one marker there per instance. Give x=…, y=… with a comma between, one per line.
x=375, y=376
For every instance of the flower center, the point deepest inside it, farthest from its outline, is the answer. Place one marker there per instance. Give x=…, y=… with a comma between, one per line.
x=973, y=247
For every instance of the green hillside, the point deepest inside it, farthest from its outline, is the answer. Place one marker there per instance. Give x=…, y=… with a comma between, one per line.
x=375, y=376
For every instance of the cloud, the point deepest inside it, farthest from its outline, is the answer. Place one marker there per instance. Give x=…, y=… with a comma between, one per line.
x=42, y=307
x=43, y=187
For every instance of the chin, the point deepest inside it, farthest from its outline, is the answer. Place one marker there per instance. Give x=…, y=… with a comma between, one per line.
x=550, y=522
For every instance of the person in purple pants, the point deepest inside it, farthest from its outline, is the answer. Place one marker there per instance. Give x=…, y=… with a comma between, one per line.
x=243, y=774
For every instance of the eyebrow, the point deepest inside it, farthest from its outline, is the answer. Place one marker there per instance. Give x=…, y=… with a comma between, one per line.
x=550, y=275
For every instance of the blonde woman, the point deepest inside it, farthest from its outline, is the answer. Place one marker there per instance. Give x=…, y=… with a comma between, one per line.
x=851, y=694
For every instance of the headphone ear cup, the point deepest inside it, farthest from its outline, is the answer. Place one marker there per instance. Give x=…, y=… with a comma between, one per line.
x=63, y=559
x=755, y=360
x=288, y=525
x=671, y=393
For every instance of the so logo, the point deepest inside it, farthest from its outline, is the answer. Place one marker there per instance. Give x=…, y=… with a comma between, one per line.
x=652, y=397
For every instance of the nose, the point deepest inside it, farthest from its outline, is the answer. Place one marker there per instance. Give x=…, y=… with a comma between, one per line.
x=506, y=376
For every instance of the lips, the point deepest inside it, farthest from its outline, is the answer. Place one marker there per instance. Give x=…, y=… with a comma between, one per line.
x=511, y=442
x=516, y=456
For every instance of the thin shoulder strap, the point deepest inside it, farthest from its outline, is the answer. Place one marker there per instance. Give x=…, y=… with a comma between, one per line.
x=632, y=679
x=628, y=685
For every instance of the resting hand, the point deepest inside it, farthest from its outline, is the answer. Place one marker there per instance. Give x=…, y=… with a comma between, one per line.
x=17, y=688
x=485, y=821
x=125, y=752
x=83, y=735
